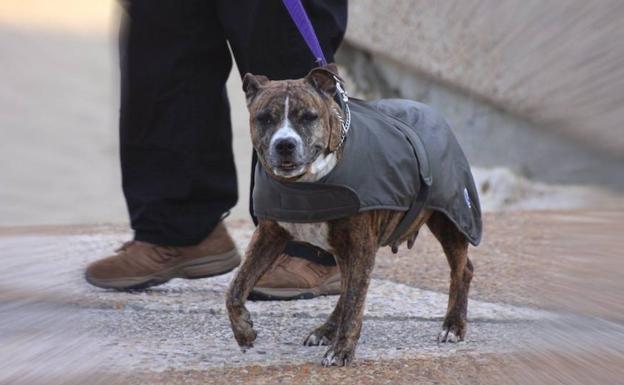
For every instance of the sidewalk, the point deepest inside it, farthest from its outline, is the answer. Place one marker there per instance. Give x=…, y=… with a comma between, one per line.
x=58, y=329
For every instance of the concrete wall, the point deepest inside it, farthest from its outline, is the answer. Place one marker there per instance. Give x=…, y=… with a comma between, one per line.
x=559, y=63
x=490, y=136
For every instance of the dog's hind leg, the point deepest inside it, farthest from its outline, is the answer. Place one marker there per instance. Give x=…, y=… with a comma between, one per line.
x=455, y=246
x=267, y=242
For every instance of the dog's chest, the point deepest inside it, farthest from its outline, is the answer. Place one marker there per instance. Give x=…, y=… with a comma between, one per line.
x=315, y=233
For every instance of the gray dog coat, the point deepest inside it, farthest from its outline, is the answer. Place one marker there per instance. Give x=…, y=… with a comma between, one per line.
x=398, y=155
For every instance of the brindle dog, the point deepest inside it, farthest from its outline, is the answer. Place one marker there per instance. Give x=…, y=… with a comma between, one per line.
x=295, y=130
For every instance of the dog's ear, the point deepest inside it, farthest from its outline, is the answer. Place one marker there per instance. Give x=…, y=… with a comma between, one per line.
x=252, y=84
x=324, y=78
x=333, y=68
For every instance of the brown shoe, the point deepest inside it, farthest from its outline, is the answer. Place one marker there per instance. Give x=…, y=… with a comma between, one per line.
x=292, y=277
x=138, y=265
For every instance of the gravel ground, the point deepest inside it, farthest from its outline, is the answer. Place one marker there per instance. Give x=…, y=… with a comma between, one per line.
x=550, y=259
x=58, y=329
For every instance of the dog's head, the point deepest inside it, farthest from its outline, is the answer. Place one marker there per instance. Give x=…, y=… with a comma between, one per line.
x=295, y=124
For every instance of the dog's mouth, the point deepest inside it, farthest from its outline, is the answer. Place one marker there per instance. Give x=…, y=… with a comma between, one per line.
x=289, y=166
x=289, y=169
x=292, y=169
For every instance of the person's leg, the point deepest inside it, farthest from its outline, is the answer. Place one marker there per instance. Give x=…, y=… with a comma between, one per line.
x=265, y=41
x=176, y=156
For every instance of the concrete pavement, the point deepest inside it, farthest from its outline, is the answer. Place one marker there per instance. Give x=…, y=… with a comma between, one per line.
x=58, y=329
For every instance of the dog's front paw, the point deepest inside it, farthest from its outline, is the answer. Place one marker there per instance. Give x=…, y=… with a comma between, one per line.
x=452, y=331
x=339, y=356
x=319, y=336
x=243, y=330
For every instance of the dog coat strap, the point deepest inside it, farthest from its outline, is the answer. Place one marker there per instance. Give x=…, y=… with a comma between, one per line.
x=301, y=202
x=411, y=214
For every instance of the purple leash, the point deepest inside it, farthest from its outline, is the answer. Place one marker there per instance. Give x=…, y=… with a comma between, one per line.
x=301, y=20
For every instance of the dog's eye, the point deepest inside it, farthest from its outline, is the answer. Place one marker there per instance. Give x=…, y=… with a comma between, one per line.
x=308, y=117
x=264, y=118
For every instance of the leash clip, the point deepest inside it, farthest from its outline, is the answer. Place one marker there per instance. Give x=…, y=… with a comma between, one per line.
x=343, y=94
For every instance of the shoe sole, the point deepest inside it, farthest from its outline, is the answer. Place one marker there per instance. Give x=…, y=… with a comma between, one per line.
x=329, y=287
x=203, y=267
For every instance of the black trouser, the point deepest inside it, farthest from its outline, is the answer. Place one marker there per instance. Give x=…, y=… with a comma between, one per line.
x=176, y=140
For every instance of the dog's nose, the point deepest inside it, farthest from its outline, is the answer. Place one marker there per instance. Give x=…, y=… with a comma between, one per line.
x=285, y=146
